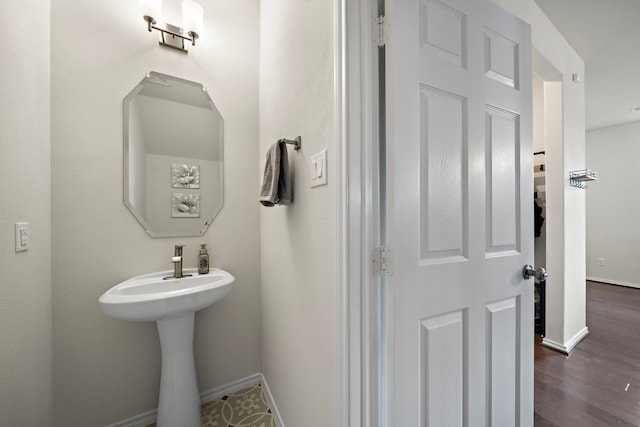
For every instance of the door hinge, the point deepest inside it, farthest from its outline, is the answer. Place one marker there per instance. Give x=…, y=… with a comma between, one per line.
x=381, y=31
x=382, y=261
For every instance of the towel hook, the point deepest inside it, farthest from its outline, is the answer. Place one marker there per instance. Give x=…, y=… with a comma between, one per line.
x=296, y=142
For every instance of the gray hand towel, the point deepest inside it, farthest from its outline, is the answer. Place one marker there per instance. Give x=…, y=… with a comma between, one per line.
x=276, y=184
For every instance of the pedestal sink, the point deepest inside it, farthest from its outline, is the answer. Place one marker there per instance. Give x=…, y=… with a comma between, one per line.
x=172, y=304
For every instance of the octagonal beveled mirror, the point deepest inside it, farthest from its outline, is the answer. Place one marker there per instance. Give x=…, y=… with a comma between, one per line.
x=173, y=156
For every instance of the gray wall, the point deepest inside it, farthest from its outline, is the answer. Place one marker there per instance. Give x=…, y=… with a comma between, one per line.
x=298, y=241
x=613, y=233
x=25, y=195
x=106, y=370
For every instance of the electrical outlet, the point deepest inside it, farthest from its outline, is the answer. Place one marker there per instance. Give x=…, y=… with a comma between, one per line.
x=22, y=236
x=600, y=262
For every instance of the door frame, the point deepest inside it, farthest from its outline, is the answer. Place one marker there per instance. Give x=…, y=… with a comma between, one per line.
x=357, y=375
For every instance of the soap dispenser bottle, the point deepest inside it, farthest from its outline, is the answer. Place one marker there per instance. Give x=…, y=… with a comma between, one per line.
x=203, y=260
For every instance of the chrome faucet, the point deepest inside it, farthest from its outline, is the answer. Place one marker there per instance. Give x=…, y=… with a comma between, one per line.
x=177, y=262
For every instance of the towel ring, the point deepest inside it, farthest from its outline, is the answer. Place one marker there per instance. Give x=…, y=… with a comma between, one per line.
x=296, y=142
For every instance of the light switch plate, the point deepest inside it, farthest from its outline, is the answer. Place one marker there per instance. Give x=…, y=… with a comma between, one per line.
x=22, y=236
x=318, y=168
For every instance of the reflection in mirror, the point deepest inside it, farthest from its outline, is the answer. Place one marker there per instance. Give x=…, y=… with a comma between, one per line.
x=173, y=163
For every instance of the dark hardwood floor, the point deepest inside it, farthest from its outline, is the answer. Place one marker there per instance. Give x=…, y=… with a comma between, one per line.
x=598, y=384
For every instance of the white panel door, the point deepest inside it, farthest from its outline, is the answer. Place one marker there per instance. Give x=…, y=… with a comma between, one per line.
x=460, y=223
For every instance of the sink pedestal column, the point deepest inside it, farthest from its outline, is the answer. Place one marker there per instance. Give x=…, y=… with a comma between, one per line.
x=179, y=403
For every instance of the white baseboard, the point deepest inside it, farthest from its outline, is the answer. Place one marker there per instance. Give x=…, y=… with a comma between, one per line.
x=138, y=421
x=271, y=402
x=614, y=282
x=209, y=396
x=569, y=345
x=230, y=388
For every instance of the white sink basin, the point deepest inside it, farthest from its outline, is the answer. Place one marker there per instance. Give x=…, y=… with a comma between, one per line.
x=172, y=303
x=149, y=297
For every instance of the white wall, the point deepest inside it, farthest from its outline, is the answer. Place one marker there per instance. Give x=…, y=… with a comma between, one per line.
x=555, y=221
x=539, y=177
x=565, y=223
x=613, y=205
x=298, y=241
x=106, y=370
x=25, y=195
x=538, y=143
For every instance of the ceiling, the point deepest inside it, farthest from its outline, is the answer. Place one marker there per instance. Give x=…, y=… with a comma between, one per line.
x=606, y=34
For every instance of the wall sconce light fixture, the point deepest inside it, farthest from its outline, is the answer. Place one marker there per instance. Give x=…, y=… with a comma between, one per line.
x=172, y=35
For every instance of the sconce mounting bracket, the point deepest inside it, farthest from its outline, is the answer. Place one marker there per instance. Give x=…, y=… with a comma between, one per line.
x=171, y=35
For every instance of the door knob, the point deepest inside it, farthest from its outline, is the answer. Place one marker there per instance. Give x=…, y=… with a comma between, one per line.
x=540, y=273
